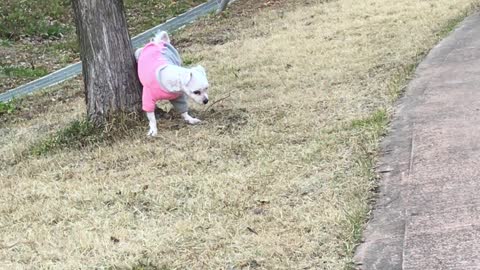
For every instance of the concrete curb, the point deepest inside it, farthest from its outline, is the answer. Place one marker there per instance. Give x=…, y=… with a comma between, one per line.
x=425, y=215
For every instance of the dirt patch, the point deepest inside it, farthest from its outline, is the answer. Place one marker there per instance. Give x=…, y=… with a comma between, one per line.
x=32, y=106
x=225, y=27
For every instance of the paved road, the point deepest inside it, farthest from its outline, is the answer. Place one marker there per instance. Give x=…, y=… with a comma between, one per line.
x=427, y=215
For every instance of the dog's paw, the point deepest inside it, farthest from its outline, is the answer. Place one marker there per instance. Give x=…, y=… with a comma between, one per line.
x=189, y=119
x=152, y=132
x=193, y=121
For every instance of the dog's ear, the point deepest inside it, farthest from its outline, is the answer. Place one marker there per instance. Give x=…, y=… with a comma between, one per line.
x=164, y=37
x=185, y=77
x=201, y=69
x=161, y=36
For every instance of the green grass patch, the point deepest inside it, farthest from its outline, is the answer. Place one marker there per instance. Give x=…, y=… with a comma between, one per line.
x=83, y=133
x=53, y=18
x=453, y=23
x=34, y=18
x=22, y=72
x=144, y=14
x=189, y=60
x=376, y=121
x=7, y=107
x=69, y=45
x=78, y=134
x=363, y=136
x=6, y=43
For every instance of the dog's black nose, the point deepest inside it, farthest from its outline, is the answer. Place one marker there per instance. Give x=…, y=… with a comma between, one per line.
x=205, y=101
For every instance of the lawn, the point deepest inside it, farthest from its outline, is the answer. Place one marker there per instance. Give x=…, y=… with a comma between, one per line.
x=279, y=176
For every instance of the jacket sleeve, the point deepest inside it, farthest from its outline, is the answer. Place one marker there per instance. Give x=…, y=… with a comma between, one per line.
x=148, y=103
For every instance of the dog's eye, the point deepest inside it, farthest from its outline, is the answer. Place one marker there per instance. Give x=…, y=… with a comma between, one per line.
x=197, y=92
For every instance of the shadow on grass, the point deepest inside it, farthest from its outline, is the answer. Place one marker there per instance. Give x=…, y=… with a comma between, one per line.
x=82, y=133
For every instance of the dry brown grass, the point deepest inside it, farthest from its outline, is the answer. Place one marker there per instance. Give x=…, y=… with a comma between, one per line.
x=278, y=177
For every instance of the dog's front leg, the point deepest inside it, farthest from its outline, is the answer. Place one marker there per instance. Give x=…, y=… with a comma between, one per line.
x=152, y=122
x=189, y=119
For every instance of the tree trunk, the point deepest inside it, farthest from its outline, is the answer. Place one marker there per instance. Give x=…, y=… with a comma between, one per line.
x=222, y=6
x=108, y=62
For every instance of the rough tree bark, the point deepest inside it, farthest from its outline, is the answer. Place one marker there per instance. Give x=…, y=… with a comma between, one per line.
x=108, y=62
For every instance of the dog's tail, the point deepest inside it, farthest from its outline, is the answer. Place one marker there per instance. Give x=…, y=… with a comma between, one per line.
x=161, y=36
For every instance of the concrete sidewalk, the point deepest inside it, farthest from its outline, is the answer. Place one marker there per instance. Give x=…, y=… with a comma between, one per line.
x=427, y=214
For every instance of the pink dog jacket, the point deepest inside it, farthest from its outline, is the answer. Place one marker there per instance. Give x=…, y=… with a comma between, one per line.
x=151, y=59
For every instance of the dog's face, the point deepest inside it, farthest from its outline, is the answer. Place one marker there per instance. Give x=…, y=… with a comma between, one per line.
x=197, y=86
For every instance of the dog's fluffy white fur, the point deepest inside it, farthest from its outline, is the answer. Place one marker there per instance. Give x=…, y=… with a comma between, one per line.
x=192, y=82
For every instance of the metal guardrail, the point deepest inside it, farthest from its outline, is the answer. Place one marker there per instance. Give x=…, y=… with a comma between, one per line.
x=73, y=70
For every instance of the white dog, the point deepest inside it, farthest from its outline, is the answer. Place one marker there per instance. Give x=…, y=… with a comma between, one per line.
x=163, y=78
